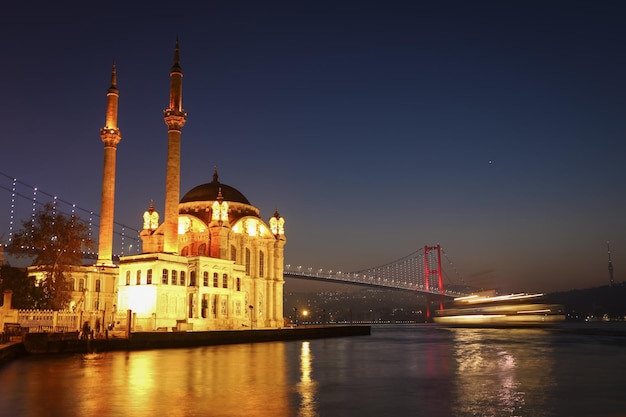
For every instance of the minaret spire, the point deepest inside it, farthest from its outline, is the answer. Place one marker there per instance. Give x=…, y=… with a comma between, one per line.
x=110, y=135
x=112, y=98
x=175, y=118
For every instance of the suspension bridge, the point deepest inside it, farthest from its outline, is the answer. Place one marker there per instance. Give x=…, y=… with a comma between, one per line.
x=427, y=270
x=420, y=271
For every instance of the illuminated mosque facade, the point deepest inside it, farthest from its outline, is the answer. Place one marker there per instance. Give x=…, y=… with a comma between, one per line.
x=212, y=263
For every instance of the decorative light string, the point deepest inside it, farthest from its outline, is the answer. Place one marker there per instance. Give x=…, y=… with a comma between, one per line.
x=122, y=251
x=32, y=222
x=54, y=209
x=36, y=201
x=12, y=215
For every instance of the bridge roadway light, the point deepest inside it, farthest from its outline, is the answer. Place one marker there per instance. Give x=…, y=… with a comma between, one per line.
x=305, y=313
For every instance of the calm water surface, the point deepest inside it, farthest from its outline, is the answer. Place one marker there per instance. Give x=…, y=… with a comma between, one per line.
x=397, y=371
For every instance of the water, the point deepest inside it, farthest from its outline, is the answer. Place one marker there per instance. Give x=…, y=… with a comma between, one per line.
x=397, y=371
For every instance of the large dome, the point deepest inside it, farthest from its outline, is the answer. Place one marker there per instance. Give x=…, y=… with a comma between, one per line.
x=210, y=190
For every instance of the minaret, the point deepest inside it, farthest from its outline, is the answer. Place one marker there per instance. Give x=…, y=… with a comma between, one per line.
x=110, y=135
x=175, y=118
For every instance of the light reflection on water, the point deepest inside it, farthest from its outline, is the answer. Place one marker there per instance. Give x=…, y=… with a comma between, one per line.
x=306, y=386
x=403, y=370
x=499, y=373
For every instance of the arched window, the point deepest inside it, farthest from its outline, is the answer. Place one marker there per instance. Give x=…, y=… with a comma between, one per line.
x=261, y=263
x=205, y=279
x=165, y=277
x=247, y=261
x=202, y=250
x=233, y=253
x=225, y=281
x=238, y=284
x=98, y=285
x=215, y=280
x=71, y=284
x=182, y=277
x=127, y=277
x=149, y=277
x=81, y=284
x=174, y=276
x=192, y=279
x=139, y=277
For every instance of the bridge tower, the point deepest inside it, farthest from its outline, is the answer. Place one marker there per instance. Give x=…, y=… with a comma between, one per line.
x=430, y=270
x=174, y=117
x=611, y=281
x=110, y=135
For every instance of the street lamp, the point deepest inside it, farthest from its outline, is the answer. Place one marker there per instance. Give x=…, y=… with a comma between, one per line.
x=305, y=313
x=251, y=307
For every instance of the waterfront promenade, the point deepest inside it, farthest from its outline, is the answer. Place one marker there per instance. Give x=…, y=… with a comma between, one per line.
x=50, y=343
x=10, y=351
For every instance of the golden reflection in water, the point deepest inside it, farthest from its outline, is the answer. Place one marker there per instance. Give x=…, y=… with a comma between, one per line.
x=307, y=387
x=247, y=379
x=495, y=373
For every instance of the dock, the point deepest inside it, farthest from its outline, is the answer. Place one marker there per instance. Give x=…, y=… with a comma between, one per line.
x=70, y=342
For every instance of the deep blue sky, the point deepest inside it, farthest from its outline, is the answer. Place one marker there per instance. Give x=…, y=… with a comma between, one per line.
x=493, y=128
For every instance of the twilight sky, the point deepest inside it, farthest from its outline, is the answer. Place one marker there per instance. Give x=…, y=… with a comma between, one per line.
x=495, y=128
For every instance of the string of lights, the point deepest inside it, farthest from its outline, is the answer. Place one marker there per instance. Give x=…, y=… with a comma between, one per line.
x=20, y=190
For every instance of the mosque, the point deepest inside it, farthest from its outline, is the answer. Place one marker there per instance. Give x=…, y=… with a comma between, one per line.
x=212, y=263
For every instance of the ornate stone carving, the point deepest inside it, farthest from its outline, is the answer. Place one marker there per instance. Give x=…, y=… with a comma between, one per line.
x=174, y=119
x=110, y=136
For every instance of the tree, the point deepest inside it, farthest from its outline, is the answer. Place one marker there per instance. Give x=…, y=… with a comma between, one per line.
x=55, y=241
x=26, y=294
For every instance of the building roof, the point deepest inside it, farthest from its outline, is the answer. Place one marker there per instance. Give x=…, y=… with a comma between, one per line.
x=211, y=190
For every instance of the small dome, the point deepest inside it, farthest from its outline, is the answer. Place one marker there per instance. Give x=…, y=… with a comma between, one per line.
x=210, y=191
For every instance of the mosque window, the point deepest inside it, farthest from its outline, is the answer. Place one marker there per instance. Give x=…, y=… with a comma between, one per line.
x=233, y=253
x=238, y=284
x=139, y=277
x=174, y=277
x=149, y=277
x=202, y=250
x=261, y=263
x=225, y=281
x=192, y=279
x=97, y=285
x=205, y=304
x=205, y=279
x=71, y=284
x=182, y=277
x=127, y=277
x=81, y=284
x=215, y=278
x=165, y=276
x=247, y=261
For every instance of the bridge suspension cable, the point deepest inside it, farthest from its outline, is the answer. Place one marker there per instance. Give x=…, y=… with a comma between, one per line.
x=410, y=272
